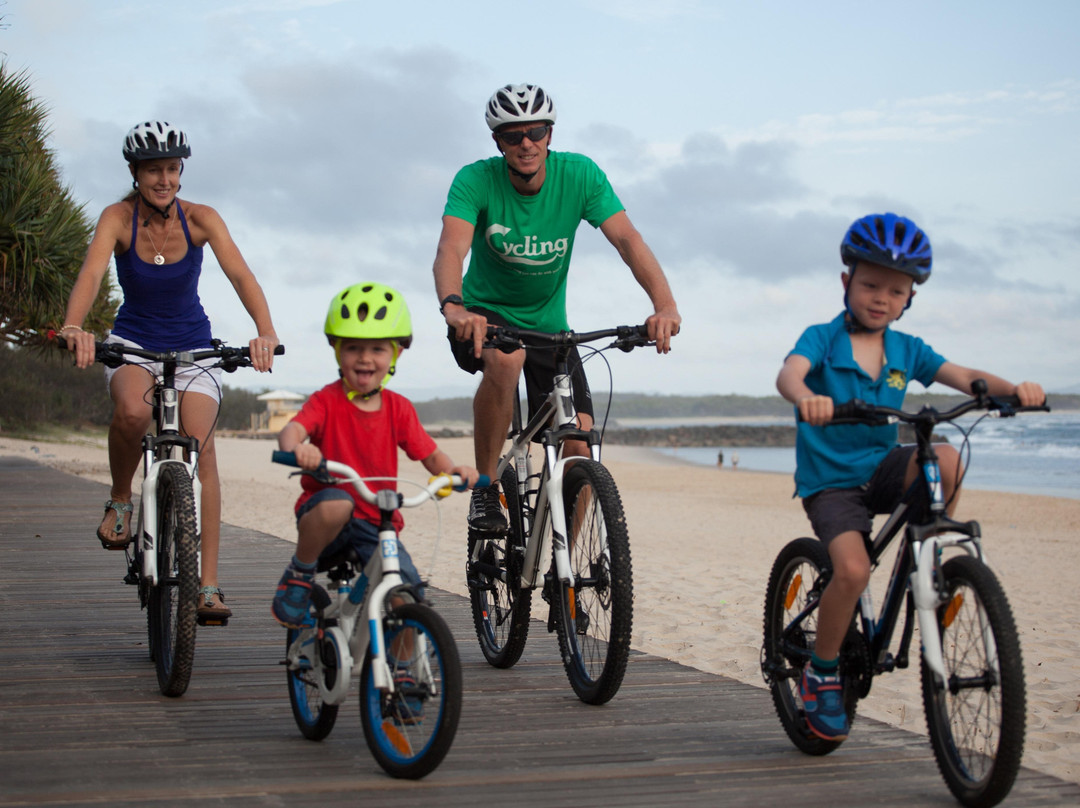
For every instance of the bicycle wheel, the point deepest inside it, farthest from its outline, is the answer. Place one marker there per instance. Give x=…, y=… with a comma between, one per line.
x=314, y=717
x=595, y=617
x=797, y=579
x=500, y=607
x=410, y=730
x=976, y=720
x=172, y=603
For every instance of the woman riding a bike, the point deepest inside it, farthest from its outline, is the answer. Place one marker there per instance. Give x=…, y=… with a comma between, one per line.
x=157, y=241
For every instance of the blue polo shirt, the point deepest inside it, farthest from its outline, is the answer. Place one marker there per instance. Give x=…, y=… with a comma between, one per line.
x=845, y=456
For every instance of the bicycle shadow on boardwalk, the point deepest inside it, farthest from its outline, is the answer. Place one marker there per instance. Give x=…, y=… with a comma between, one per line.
x=82, y=721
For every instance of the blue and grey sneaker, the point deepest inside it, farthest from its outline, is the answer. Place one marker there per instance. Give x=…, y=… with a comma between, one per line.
x=293, y=597
x=823, y=699
x=408, y=707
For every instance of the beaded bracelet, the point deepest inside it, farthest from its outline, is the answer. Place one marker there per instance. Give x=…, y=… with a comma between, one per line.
x=70, y=325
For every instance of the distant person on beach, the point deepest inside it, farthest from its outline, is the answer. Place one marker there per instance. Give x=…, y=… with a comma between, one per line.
x=158, y=265
x=844, y=473
x=353, y=420
x=720, y=458
x=734, y=460
x=517, y=213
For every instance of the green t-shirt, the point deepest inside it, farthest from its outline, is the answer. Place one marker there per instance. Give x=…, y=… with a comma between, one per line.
x=521, y=245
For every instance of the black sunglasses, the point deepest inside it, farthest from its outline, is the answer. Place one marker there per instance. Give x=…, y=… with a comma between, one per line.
x=536, y=134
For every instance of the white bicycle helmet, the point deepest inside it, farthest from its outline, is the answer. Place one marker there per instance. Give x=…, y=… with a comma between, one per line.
x=151, y=140
x=519, y=103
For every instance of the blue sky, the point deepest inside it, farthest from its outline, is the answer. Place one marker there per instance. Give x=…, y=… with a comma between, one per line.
x=743, y=139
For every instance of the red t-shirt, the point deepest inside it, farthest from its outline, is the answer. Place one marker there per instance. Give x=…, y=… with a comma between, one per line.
x=367, y=441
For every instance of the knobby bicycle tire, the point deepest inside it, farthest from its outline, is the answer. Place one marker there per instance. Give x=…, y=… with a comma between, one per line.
x=314, y=717
x=410, y=730
x=594, y=619
x=798, y=576
x=976, y=721
x=172, y=603
x=500, y=607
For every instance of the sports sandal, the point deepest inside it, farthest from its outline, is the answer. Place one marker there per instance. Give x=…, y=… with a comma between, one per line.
x=208, y=614
x=120, y=536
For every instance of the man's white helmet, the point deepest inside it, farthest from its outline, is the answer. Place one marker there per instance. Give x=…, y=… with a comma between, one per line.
x=519, y=103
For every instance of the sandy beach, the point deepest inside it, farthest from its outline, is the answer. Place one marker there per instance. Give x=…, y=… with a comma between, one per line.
x=703, y=541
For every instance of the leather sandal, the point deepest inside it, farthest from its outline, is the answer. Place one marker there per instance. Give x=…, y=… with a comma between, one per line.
x=208, y=614
x=120, y=536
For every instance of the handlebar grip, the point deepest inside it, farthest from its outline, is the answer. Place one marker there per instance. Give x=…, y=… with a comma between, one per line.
x=284, y=458
x=849, y=409
x=483, y=481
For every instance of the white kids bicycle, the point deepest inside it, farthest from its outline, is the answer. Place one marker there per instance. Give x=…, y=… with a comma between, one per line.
x=373, y=623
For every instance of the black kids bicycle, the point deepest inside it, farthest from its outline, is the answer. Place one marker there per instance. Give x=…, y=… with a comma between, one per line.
x=971, y=668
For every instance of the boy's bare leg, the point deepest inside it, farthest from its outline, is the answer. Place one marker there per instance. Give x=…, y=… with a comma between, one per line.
x=851, y=573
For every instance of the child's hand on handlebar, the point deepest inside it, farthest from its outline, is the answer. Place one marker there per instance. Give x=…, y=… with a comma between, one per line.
x=1030, y=394
x=308, y=457
x=816, y=410
x=468, y=474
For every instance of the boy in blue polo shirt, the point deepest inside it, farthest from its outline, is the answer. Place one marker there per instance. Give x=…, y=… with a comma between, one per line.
x=847, y=472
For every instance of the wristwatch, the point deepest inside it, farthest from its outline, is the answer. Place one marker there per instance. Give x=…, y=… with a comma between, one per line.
x=450, y=299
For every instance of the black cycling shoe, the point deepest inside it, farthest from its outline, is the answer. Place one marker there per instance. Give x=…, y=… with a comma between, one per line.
x=485, y=510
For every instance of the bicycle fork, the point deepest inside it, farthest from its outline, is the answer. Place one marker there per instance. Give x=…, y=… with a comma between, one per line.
x=928, y=589
x=149, y=529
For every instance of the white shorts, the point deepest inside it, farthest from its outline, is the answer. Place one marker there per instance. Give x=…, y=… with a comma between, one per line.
x=197, y=378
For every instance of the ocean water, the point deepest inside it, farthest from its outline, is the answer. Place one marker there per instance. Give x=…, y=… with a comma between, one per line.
x=1033, y=453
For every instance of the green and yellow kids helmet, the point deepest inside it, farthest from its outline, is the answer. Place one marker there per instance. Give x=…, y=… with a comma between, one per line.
x=369, y=310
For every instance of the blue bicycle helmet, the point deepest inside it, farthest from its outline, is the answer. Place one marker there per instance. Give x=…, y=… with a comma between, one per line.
x=891, y=241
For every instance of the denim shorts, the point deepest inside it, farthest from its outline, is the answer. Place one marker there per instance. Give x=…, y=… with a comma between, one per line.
x=838, y=510
x=362, y=535
x=197, y=378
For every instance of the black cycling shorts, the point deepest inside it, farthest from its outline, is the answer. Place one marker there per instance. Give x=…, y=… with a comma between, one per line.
x=539, y=368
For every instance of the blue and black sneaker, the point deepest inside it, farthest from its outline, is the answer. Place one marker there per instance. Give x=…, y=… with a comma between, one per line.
x=293, y=598
x=823, y=699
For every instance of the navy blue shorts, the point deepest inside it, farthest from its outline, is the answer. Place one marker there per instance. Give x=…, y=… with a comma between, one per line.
x=838, y=510
x=362, y=535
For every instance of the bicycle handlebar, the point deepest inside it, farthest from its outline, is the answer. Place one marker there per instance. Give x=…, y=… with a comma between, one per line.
x=508, y=338
x=114, y=354
x=334, y=473
x=857, y=411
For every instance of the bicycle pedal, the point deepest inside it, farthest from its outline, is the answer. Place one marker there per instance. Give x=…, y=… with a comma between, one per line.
x=212, y=621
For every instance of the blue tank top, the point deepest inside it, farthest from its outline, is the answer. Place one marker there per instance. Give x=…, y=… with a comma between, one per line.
x=161, y=309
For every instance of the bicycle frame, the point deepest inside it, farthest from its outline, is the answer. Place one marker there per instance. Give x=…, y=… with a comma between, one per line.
x=167, y=417
x=547, y=500
x=357, y=607
x=917, y=567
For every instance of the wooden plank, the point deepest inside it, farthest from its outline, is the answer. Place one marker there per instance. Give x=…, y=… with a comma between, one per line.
x=82, y=722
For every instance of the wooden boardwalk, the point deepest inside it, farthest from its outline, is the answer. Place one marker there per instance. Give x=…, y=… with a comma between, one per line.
x=82, y=722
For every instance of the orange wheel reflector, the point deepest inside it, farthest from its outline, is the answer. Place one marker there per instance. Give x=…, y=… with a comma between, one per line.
x=399, y=741
x=954, y=608
x=793, y=590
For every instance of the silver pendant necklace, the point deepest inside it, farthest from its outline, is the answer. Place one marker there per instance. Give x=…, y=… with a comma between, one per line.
x=159, y=259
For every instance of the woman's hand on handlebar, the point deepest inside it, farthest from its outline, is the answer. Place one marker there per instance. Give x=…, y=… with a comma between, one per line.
x=815, y=410
x=262, y=352
x=81, y=344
